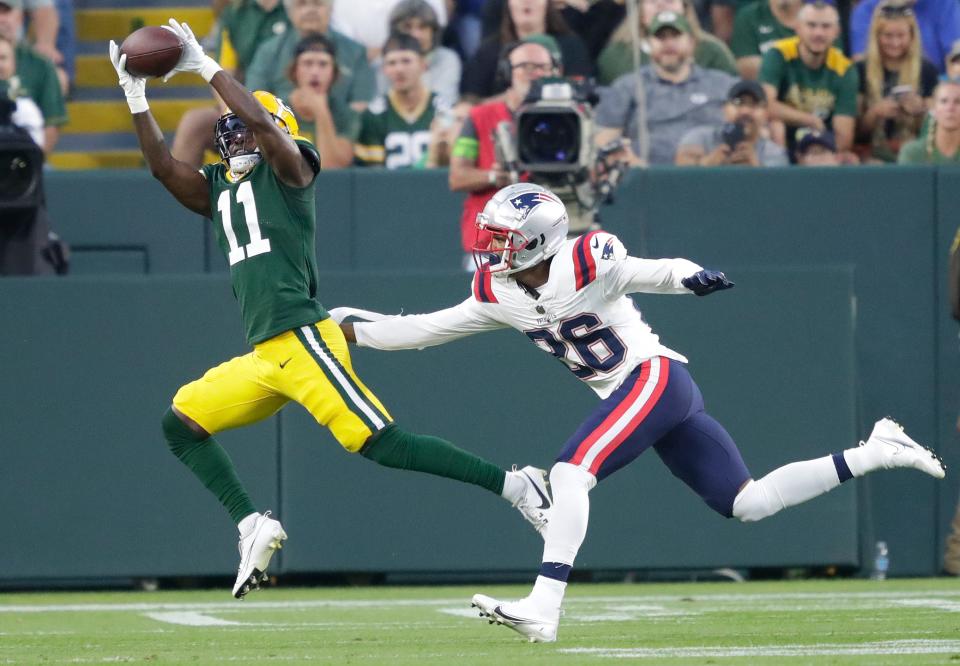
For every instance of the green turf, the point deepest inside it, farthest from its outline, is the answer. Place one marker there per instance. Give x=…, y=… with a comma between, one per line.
x=898, y=622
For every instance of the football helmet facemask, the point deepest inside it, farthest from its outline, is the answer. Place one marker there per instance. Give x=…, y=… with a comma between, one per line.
x=521, y=226
x=236, y=143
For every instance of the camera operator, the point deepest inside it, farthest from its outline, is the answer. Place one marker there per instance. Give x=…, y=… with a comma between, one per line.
x=473, y=167
x=743, y=137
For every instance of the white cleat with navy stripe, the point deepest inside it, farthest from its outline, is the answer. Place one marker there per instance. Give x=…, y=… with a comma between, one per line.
x=890, y=447
x=531, y=623
x=534, y=505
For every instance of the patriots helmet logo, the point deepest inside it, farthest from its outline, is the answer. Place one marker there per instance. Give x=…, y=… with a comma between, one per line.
x=607, y=250
x=527, y=201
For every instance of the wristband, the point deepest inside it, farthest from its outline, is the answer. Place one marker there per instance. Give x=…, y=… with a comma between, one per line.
x=209, y=69
x=138, y=104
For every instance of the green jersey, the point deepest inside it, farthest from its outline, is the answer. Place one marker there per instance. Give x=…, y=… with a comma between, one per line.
x=916, y=152
x=266, y=230
x=393, y=139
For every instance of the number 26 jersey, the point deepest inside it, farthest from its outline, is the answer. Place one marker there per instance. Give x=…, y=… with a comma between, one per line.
x=581, y=315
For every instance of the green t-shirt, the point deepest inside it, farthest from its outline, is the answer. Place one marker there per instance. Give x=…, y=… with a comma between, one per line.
x=268, y=70
x=248, y=26
x=266, y=230
x=828, y=91
x=388, y=138
x=617, y=59
x=755, y=29
x=915, y=152
x=39, y=82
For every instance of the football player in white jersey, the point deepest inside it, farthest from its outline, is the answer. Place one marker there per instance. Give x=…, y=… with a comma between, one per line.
x=570, y=298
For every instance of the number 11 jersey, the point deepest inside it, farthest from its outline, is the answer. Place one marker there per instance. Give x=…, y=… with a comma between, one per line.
x=581, y=315
x=266, y=230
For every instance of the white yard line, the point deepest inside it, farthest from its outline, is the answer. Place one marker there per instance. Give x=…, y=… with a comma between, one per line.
x=830, y=598
x=904, y=647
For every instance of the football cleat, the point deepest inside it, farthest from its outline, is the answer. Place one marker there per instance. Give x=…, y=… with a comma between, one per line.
x=256, y=548
x=520, y=616
x=534, y=505
x=890, y=447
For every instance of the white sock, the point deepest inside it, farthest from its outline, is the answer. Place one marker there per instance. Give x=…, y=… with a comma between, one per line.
x=861, y=459
x=513, y=487
x=785, y=486
x=570, y=514
x=547, y=594
x=245, y=525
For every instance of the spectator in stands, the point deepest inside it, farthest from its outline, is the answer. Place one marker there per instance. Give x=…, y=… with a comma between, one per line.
x=42, y=23
x=941, y=145
x=355, y=84
x=952, y=63
x=617, y=58
x=367, y=21
x=756, y=27
x=418, y=19
x=809, y=82
x=718, y=17
x=896, y=84
x=26, y=113
x=244, y=25
x=817, y=148
x=474, y=167
x=743, y=138
x=444, y=131
x=592, y=20
x=680, y=95
x=395, y=128
x=465, y=30
x=329, y=122
x=36, y=76
x=522, y=19
x=939, y=22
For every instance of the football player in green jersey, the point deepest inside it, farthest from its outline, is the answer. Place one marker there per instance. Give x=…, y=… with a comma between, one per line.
x=261, y=201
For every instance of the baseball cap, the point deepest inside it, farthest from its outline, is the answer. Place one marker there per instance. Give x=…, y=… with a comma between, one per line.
x=669, y=20
x=546, y=41
x=12, y=4
x=746, y=87
x=814, y=137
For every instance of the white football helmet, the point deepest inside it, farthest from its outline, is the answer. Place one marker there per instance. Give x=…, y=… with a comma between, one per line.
x=526, y=224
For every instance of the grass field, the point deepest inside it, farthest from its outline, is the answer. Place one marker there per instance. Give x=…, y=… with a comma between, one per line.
x=897, y=622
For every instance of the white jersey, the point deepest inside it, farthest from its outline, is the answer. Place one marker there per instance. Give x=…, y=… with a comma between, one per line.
x=582, y=314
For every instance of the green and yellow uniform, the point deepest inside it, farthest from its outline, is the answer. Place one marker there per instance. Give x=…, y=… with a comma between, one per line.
x=245, y=27
x=828, y=91
x=394, y=139
x=918, y=152
x=266, y=229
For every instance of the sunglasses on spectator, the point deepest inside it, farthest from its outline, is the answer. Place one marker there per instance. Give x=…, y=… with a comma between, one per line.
x=896, y=10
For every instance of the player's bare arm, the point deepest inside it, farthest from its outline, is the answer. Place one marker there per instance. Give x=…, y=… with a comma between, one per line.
x=348, y=332
x=184, y=182
x=276, y=146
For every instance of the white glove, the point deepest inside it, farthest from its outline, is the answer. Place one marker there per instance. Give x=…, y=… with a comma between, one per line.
x=193, y=58
x=134, y=87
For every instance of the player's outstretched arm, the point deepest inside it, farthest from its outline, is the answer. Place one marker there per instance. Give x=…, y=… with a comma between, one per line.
x=276, y=146
x=186, y=184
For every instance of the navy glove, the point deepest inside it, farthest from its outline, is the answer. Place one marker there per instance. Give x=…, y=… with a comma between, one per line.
x=706, y=282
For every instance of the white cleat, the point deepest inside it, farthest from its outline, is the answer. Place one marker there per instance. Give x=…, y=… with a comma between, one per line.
x=256, y=548
x=892, y=447
x=535, y=502
x=519, y=616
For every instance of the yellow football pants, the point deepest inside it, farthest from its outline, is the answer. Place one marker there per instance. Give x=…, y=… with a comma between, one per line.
x=310, y=365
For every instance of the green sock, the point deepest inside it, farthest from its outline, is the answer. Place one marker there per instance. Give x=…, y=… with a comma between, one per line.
x=210, y=463
x=393, y=447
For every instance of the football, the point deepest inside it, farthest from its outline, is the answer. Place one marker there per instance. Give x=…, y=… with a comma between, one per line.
x=151, y=51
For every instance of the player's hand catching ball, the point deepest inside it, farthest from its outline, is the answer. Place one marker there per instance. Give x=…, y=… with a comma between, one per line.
x=134, y=87
x=706, y=282
x=193, y=59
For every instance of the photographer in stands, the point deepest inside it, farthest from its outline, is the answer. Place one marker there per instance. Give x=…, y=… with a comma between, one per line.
x=742, y=139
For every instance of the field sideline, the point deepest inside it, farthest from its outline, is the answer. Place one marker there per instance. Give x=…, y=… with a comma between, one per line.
x=898, y=622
